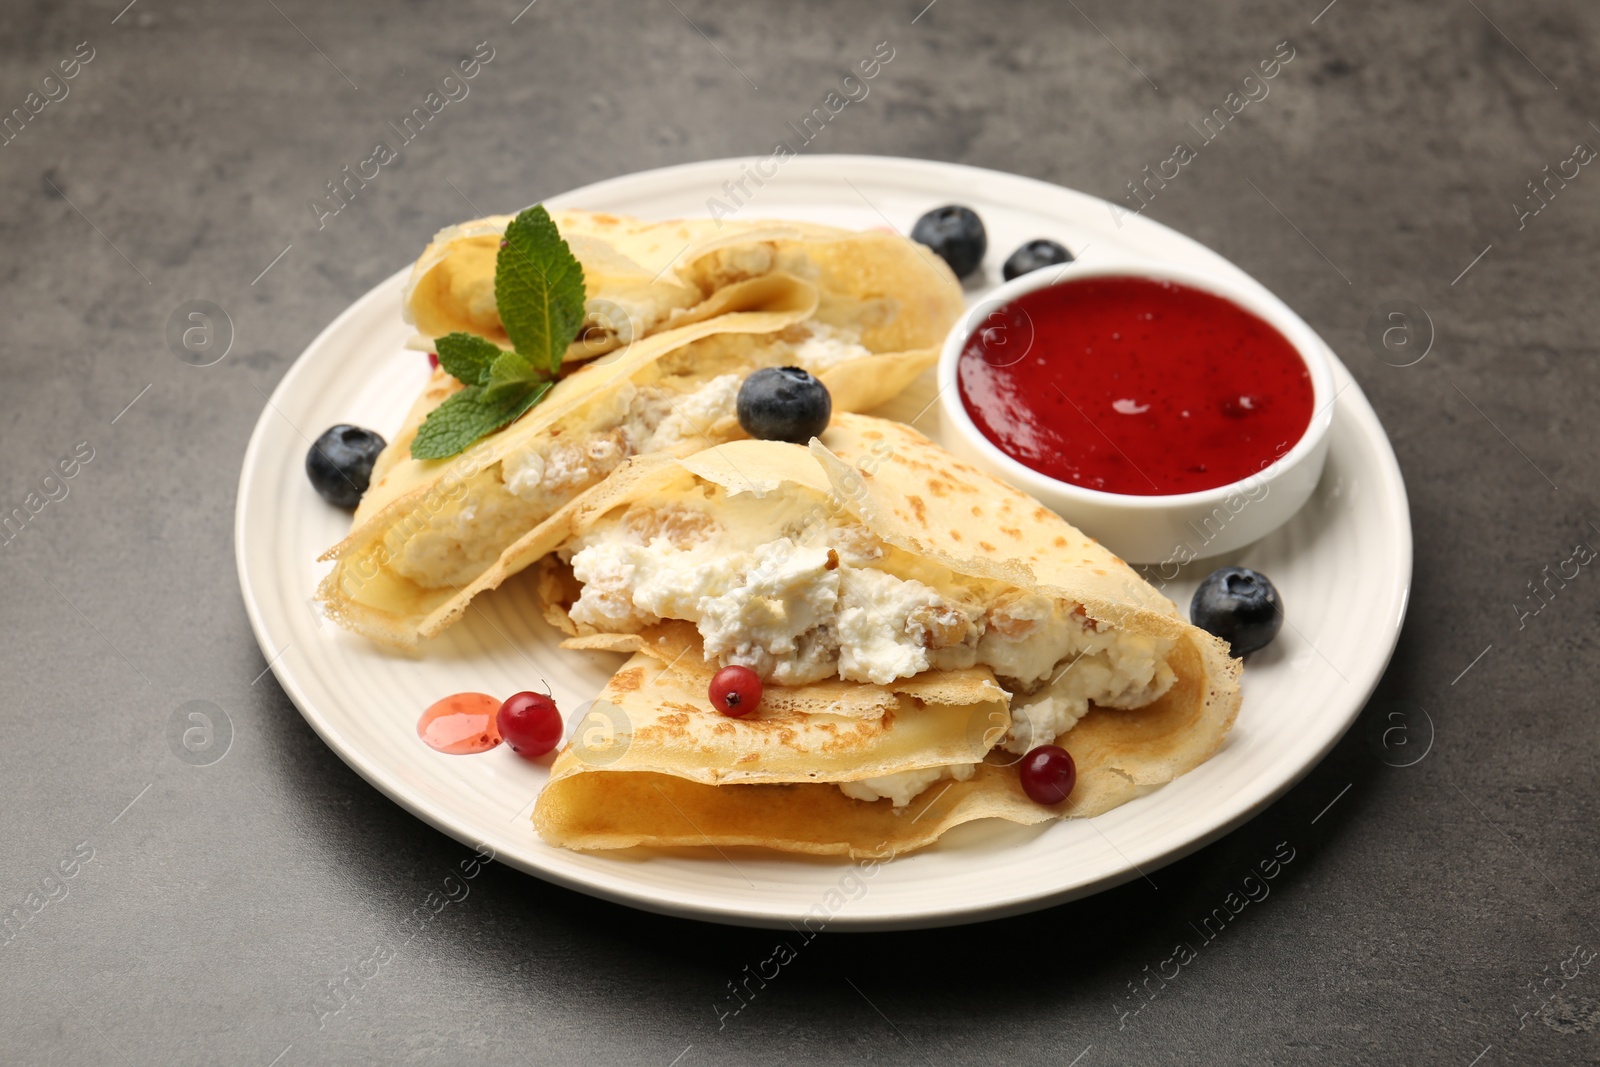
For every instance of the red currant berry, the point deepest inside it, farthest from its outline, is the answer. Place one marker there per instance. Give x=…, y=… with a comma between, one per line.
x=530, y=724
x=735, y=691
x=1048, y=774
x=433, y=360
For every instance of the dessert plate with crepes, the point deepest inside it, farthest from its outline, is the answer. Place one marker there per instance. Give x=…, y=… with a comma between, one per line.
x=882, y=793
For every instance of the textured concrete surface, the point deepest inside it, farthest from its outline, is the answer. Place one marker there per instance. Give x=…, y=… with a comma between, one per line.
x=1435, y=913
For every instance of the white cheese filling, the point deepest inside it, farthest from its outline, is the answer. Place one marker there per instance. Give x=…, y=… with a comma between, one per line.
x=827, y=347
x=903, y=786
x=1128, y=672
x=727, y=266
x=624, y=319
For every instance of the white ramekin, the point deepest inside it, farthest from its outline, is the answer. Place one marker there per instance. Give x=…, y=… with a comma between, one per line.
x=1157, y=529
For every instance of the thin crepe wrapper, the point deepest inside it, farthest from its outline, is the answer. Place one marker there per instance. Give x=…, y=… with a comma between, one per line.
x=653, y=744
x=664, y=275
x=1119, y=754
x=917, y=497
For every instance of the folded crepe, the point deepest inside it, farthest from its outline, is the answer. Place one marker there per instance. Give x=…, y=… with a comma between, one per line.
x=644, y=277
x=920, y=626
x=429, y=535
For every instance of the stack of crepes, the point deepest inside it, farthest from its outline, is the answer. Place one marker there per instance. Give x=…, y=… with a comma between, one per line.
x=919, y=626
x=677, y=314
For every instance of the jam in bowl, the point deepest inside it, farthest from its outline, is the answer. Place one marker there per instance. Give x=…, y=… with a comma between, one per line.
x=1172, y=414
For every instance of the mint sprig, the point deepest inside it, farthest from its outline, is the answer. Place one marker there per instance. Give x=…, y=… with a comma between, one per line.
x=539, y=290
x=538, y=287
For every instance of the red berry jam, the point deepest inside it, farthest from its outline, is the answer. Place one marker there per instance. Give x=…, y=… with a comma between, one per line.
x=1135, y=386
x=461, y=724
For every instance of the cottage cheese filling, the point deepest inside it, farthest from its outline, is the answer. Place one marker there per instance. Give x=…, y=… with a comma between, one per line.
x=826, y=347
x=903, y=786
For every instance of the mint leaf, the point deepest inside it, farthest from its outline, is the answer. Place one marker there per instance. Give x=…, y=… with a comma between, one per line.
x=466, y=357
x=453, y=426
x=538, y=288
x=510, y=374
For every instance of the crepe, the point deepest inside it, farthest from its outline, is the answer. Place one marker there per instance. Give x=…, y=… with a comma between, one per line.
x=430, y=535
x=591, y=803
x=676, y=772
x=821, y=733
x=645, y=277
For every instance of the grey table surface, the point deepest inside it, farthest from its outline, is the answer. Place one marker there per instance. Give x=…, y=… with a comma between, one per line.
x=161, y=912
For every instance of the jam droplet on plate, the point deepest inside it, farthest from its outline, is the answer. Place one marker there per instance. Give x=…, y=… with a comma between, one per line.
x=461, y=725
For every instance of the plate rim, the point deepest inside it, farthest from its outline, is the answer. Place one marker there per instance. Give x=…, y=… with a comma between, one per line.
x=372, y=769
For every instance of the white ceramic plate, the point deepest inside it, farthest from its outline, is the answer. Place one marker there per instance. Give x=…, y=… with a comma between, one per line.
x=1343, y=565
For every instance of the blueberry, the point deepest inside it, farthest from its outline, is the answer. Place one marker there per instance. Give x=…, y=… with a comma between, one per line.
x=340, y=463
x=783, y=404
x=956, y=235
x=1239, y=605
x=1033, y=255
